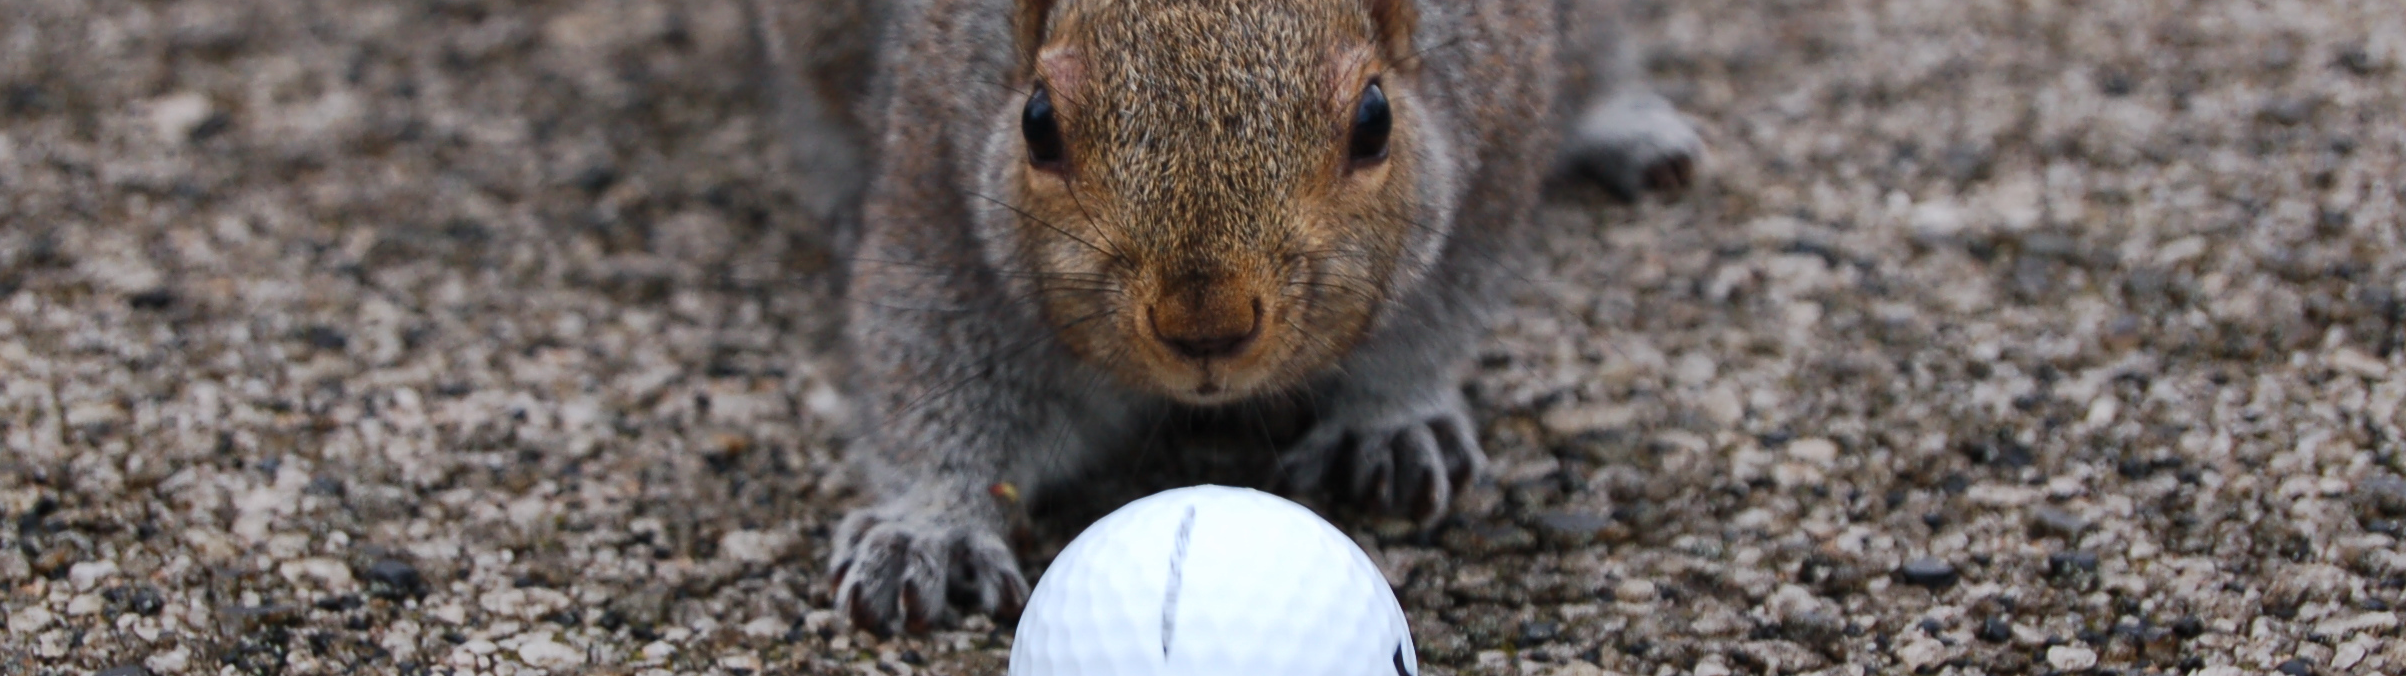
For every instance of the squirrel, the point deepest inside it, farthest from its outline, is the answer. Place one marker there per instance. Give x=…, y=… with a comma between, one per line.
x=1069, y=216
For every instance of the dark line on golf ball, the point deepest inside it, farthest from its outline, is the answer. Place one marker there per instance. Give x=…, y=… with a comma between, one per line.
x=1169, y=603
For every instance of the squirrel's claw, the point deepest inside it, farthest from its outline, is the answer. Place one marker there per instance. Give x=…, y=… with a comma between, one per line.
x=1409, y=463
x=893, y=571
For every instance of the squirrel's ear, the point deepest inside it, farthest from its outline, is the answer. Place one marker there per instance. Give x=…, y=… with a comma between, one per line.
x=1031, y=25
x=1394, y=21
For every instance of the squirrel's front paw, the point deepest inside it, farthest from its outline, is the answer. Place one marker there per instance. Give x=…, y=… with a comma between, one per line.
x=902, y=567
x=1635, y=143
x=1406, y=458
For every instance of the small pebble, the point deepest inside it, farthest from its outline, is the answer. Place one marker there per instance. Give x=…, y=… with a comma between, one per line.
x=1820, y=452
x=2382, y=495
x=1996, y=630
x=2072, y=658
x=1570, y=528
x=2347, y=655
x=145, y=601
x=326, y=338
x=89, y=573
x=2287, y=111
x=394, y=579
x=154, y=299
x=1633, y=591
x=2296, y=667
x=2064, y=564
x=1534, y=633
x=1928, y=572
x=2056, y=522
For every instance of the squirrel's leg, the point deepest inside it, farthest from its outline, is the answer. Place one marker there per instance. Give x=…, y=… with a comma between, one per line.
x=1621, y=134
x=1394, y=433
x=959, y=403
x=814, y=66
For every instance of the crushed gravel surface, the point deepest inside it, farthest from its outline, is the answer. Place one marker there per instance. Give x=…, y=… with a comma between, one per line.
x=458, y=336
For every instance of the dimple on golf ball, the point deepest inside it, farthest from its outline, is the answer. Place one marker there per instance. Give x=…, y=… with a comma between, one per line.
x=1213, y=580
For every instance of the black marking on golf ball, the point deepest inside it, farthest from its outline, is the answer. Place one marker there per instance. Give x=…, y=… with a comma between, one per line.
x=1402, y=668
x=1169, y=603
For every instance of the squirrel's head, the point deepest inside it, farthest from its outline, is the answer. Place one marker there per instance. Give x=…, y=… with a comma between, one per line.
x=1217, y=198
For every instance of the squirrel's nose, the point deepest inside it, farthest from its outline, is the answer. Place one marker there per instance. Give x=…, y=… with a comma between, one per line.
x=1207, y=330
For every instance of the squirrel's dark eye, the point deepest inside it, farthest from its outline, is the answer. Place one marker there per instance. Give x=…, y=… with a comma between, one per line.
x=1371, y=124
x=1042, y=131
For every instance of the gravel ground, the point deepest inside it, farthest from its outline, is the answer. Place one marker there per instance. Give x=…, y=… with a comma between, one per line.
x=457, y=336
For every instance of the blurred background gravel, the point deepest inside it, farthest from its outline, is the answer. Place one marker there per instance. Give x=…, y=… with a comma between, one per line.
x=459, y=336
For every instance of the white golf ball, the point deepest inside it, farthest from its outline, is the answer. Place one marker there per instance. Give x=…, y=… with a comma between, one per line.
x=1213, y=580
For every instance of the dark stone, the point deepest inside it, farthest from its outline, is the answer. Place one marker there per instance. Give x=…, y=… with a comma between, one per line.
x=1534, y=633
x=595, y=179
x=913, y=658
x=2056, y=522
x=2356, y=59
x=1565, y=528
x=2075, y=570
x=23, y=99
x=145, y=601
x=325, y=338
x=2115, y=82
x=123, y=670
x=1996, y=630
x=393, y=579
x=209, y=127
x=258, y=650
x=2383, y=495
x=1928, y=572
x=2297, y=666
x=154, y=299
x=339, y=603
x=2063, y=564
x=2282, y=606
x=1955, y=484
x=2002, y=450
x=2134, y=468
x=324, y=485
